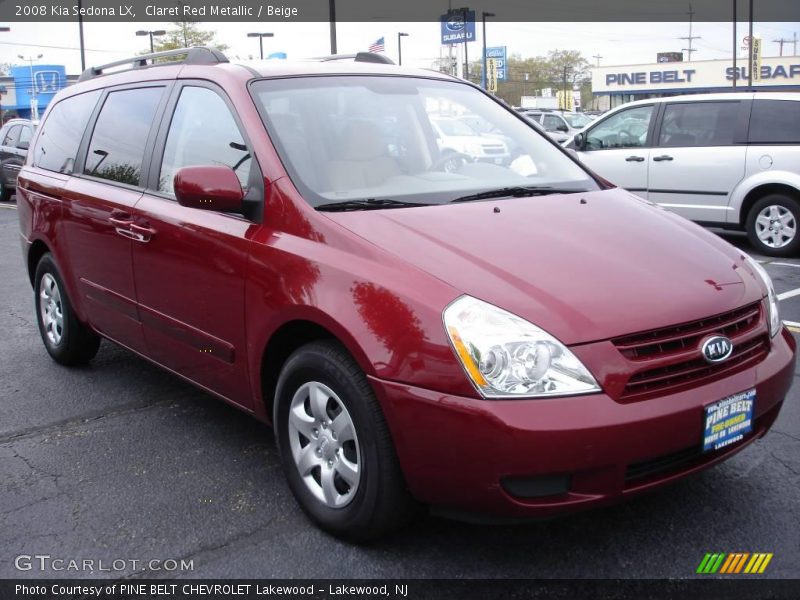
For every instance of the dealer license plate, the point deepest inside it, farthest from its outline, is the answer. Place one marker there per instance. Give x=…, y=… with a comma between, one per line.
x=728, y=420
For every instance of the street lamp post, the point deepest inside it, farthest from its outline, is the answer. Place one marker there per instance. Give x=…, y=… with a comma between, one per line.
x=156, y=33
x=261, y=37
x=483, y=78
x=34, y=98
x=400, y=36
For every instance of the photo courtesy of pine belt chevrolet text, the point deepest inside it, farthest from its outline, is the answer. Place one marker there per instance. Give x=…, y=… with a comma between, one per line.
x=484, y=327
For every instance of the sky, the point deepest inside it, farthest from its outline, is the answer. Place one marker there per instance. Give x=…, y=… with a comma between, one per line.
x=616, y=43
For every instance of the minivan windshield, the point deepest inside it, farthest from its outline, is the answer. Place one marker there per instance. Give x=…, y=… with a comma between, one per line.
x=401, y=140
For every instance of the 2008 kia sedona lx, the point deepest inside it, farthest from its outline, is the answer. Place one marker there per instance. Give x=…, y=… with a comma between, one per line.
x=421, y=327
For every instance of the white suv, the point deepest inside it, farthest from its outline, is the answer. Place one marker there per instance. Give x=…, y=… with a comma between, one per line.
x=722, y=160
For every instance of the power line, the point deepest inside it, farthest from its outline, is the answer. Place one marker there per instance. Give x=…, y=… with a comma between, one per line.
x=58, y=47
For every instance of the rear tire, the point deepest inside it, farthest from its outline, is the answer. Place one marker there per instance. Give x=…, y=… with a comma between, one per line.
x=335, y=447
x=773, y=225
x=66, y=339
x=5, y=191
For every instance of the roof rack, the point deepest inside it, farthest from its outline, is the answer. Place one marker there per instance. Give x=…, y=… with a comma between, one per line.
x=198, y=55
x=367, y=57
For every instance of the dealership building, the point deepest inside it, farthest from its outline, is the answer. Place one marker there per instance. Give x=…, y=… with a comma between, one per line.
x=615, y=85
x=27, y=85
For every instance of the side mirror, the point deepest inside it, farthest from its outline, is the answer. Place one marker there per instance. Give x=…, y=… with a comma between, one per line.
x=579, y=141
x=23, y=145
x=209, y=188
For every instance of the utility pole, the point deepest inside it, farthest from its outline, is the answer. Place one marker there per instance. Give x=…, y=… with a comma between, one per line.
x=566, y=69
x=80, y=36
x=783, y=41
x=332, y=11
x=484, y=80
x=735, y=72
x=597, y=57
x=750, y=50
x=465, y=16
x=690, y=38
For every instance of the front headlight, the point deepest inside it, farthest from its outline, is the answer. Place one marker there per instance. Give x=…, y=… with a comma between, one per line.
x=772, y=298
x=506, y=356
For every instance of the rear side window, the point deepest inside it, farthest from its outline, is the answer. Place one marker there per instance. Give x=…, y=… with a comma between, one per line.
x=203, y=132
x=116, y=150
x=775, y=122
x=57, y=144
x=695, y=124
x=10, y=138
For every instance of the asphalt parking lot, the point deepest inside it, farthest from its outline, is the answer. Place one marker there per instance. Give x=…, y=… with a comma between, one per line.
x=119, y=460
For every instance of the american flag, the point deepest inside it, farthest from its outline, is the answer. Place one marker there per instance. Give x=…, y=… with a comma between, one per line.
x=377, y=46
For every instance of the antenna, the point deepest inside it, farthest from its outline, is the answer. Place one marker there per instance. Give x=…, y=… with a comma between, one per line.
x=690, y=38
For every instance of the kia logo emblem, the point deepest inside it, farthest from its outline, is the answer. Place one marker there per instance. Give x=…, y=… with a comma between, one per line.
x=716, y=348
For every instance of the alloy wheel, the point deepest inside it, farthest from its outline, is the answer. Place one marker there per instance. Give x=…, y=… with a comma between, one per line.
x=776, y=226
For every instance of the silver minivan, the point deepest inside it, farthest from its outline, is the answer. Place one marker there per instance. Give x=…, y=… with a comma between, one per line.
x=723, y=160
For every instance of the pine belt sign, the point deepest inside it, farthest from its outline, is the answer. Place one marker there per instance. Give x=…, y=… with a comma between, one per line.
x=710, y=74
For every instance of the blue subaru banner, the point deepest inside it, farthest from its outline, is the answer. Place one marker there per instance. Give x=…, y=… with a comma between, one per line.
x=455, y=30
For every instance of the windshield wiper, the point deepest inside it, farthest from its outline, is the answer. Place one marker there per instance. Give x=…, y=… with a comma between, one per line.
x=367, y=204
x=517, y=192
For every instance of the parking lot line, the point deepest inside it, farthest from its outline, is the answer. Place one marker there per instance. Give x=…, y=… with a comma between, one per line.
x=789, y=294
x=783, y=264
x=10, y=206
x=793, y=326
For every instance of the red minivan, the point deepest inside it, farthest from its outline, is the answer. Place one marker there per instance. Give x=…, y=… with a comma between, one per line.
x=511, y=338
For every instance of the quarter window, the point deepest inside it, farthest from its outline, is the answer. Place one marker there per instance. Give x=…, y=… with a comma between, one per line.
x=692, y=124
x=775, y=122
x=626, y=129
x=203, y=132
x=25, y=135
x=57, y=144
x=116, y=150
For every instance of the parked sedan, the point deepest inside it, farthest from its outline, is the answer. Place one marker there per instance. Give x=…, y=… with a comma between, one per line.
x=15, y=137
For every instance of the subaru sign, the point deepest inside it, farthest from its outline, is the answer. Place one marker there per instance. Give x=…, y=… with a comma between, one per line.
x=455, y=31
x=498, y=53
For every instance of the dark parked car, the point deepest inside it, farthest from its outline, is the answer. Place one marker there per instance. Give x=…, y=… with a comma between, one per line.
x=519, y=340
x=15, y=138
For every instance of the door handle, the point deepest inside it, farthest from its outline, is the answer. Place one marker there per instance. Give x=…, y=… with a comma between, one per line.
x=116, y=222
x=143, y=232
x=635, y=159
x=662, y=157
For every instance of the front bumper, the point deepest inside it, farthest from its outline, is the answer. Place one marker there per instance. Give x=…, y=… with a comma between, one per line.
x=461, y=454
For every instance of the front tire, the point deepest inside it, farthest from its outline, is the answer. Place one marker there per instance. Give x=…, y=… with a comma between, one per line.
x=66, y=339
x=773, y=225
x=336, y=450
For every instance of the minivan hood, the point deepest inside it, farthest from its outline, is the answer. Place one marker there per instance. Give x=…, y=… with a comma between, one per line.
x=584, y=267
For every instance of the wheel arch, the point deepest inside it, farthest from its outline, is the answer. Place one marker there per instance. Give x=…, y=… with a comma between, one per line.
x=747, y=198
x=37, y=249
x=288, y=337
